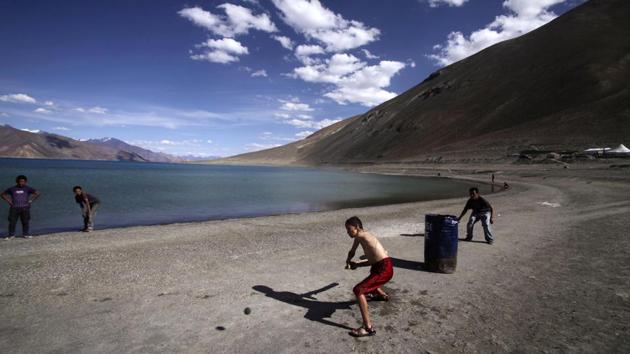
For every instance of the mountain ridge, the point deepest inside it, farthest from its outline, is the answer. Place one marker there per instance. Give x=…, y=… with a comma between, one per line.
x=18, y=143
x=563, y=86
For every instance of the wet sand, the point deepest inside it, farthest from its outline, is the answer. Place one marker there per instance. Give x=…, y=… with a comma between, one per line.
x=557, y=279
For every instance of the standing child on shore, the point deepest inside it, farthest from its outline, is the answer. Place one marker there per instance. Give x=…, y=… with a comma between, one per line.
x=381, y=272
x=20, y=200
x=481, y=211
x=89, y=204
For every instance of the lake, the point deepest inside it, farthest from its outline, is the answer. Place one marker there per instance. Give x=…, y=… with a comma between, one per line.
x=159, y=193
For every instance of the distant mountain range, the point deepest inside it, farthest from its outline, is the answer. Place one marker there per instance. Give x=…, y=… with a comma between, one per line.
x=562, y=86
x=18, y=143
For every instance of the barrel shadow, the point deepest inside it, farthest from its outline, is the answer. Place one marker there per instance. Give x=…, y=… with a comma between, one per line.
x=406, y=264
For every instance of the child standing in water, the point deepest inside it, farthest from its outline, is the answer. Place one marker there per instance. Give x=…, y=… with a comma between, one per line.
x=381, y=271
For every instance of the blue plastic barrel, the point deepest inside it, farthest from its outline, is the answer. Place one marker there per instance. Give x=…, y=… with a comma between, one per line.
x=440, y=243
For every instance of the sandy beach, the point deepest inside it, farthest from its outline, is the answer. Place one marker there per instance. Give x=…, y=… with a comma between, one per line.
x=557, y=279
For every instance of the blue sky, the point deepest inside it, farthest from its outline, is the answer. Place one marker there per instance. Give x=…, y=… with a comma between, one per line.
x=217, y=78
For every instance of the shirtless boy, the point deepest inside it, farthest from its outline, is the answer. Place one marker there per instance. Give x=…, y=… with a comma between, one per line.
x=381, y=271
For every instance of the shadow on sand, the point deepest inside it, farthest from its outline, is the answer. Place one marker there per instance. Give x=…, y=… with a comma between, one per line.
x=318, y=311
x=471, y=241
x=405, y=264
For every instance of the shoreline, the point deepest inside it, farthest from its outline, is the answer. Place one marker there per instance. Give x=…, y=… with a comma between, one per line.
x=184, y=287
x=50, y=232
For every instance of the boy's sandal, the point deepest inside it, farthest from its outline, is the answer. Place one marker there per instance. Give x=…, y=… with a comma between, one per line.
x=373, y=297
x=363, y=332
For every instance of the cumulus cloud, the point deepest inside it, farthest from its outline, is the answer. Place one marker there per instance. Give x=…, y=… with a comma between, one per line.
x=260, y=73
x=49, y=103
x=295, y=105
x=42, y=110
x=437, y=3
x=94, y=110
x=319, y=23
x=18, y=98
x=369, y=55
x=221, y=51
x=286, y=42
x=237, y=20
x=354, y=80
x=523, y=16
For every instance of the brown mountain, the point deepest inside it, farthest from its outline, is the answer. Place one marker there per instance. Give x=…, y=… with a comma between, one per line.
x=144, y=153
x=18, y=143
x=563, y=86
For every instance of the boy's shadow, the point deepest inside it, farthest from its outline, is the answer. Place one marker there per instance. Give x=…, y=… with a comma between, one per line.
x=318, y=311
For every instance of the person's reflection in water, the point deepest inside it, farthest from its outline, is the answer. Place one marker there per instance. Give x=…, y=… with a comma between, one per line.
x=318, y=311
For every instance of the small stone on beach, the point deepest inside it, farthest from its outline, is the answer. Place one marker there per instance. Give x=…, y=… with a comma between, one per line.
x=247, y=311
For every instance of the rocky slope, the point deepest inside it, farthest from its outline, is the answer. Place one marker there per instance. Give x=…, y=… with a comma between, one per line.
x=563, y=86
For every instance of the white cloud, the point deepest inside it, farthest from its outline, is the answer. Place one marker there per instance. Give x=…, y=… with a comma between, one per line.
x=42, y=110
x=49, y=103
x=304, y=50
x=97, y=110
x=34, y=131
x=317, y=22
x=18, y=98
x=295, y=105
x=285, y=41
x=64, y=129
x=221, y=51
x=303, y=134
x=456, y=3
x=523, y=16
x=369, y=55
x=311, y=124
x=238, y=20
x=260, y=73
x=354, y=81
x=94, y=110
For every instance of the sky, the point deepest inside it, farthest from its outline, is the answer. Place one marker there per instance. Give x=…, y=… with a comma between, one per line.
x=219, y=78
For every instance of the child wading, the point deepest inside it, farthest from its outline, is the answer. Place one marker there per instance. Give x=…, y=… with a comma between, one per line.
x=381, y=272
x=89, y=204
x=19, y=199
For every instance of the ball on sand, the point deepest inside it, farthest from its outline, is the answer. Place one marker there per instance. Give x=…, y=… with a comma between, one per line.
x=247, y=311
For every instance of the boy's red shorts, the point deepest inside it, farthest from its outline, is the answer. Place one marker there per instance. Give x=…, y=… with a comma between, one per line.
x=380, y=273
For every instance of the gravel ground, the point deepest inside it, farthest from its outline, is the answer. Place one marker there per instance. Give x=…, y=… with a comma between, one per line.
x=557, y=279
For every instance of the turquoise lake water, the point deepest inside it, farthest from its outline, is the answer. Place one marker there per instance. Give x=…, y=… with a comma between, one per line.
x=157, y=193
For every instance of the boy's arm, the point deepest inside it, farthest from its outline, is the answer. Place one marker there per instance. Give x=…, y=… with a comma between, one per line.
x=353, y=249
x=466, y=207
x=5, y=196
x=35, y=195
x=491, y=214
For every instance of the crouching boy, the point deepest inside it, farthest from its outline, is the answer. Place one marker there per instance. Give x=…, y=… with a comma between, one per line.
x=381, y=271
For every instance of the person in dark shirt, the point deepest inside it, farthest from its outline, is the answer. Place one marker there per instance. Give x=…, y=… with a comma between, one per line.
x=19, y=197
x=89, y=204
x=481, y=211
